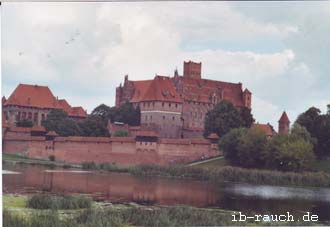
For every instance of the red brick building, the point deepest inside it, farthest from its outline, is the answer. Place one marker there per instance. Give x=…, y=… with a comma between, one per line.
x=34, y=102
x=176, y=106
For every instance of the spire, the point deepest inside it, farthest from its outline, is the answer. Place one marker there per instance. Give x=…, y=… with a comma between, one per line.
x=284, y=118
x=176, y=71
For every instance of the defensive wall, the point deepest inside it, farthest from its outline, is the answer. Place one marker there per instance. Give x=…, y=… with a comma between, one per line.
x=120, y=150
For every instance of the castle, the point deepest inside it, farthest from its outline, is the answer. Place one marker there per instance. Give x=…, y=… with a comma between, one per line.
x=175, y=107
x=34, y=102
x=173, y=110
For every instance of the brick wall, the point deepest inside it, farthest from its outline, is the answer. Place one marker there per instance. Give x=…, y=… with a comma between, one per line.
x=122, y=151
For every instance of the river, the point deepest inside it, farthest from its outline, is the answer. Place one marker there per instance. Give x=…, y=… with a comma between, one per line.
x=120, y=188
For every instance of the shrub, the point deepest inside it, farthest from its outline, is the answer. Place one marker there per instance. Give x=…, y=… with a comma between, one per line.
x=58, y=202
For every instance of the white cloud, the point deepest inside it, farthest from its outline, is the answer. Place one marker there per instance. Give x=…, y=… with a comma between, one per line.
x=141, y=39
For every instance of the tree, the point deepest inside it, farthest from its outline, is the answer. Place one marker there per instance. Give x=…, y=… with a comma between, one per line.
x=93, y=125
x=318, y=126
x=245, y=147
x=328, y=106
x=127, y=114
x=58, y=121
x=246, y=117
x=222, y=118
x=291, y=152
x=250, y=148
x=121, y=133
x=104, y=111
x=229, y=145
x=24, y=123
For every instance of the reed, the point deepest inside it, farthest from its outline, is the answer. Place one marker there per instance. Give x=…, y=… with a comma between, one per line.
x=58, y=202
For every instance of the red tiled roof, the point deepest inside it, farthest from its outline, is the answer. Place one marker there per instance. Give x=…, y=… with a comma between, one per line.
x=266, y=128
x=284, y=118
x=122, y=139
x=77, y=111
x=174, y=141
x=51, y=133
x=146, y=133
x=88, y=139
x=199, y=141
x=41, y=97
x=32, y=96
x=38, y=129
x=20, y=129
x=201, y=90
x=160, y=88
x=140, y=88
x=213, y=136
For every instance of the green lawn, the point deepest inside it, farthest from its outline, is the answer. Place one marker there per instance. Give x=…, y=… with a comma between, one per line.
x=322, y=165
x=211, y=164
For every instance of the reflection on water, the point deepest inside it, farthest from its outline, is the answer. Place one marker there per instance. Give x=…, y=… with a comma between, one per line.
x=116, y=187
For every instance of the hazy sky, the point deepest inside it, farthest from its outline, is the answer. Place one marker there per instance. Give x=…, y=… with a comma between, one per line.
x=279, y=50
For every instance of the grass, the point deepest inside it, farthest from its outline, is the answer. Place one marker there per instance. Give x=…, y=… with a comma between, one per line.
x=322, y=165
x=44, y=201
x=14, y=201
x=212, y=163
x=121, y=215
x=224, y=173
x=26, y=160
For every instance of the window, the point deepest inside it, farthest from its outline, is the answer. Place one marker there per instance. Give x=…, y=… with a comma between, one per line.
x=169, y=104
x=173, y=118
x=146, y=117
x=19, y=116
x=176, y=105
x=163, y=117
x=42, y=117
x=30, y=116
x=151, y=118
x=163, y=104
x=35, y=117
x=24, y=115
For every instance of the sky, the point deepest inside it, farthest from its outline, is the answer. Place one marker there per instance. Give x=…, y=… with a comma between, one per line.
x=280, y=51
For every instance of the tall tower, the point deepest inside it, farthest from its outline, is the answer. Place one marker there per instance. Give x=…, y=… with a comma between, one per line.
x=247, y=98
x=284, y=124
x=192, y=70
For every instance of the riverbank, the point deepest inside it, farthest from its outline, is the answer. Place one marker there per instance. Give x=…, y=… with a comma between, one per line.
x=17, y=214
x=217, y=171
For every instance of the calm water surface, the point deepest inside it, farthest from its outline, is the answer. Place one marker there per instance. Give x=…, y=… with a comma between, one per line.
x=115, y=187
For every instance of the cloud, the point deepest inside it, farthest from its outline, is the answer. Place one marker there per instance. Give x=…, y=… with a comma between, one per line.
x=85, y=53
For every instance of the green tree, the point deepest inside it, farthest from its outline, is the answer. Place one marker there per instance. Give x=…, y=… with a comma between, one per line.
x=229, y=145
x=93, y=125
x=318, y=126
x=104, y=111
x=121, y=133
x=222, y=118
x=245, y=147
x=291, y=152
x=308, y=120
x=247, y=117
x=58, y=121
x=127, y=114
x=24, y=123
x=328, y=112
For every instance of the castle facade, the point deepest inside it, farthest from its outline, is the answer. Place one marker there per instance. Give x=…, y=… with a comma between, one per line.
x=175, y=107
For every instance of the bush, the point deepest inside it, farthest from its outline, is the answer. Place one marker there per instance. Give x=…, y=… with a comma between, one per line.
x=58, y=202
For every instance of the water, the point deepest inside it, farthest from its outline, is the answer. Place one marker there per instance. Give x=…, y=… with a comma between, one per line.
x=118, y=188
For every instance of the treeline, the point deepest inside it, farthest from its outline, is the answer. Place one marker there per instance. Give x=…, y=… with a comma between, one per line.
x=96, y=122
x=250, y=148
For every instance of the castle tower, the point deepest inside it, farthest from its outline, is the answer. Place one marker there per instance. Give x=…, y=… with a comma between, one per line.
x=284, y=124
x=247, y=98
x=192, y=70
